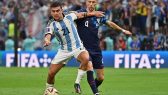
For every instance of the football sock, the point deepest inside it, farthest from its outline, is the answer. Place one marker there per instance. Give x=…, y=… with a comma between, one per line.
x=80, y=75
x=49, y=85
x=98, y=82
x=91, y=82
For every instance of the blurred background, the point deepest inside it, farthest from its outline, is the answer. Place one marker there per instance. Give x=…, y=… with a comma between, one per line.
x=146, y=19
x=22, y=25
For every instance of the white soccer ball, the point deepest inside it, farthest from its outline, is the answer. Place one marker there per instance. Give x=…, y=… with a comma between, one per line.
x=51, y=91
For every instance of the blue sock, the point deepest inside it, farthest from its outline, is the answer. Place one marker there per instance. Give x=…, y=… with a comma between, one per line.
x=91, y=81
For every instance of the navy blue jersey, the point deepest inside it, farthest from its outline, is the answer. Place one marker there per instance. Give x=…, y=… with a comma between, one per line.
x=88, y=31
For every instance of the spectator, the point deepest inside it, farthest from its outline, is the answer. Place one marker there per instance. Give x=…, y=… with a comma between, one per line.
x=135, y=44
x=11, y=29
x=149, y=44
x=166, y=43
x=9, y=44
x=28, y=44
x=109, y=43
x=121, y=45
x=129, y=40
x=156, y=43
x=149, y=17
x=142, y=15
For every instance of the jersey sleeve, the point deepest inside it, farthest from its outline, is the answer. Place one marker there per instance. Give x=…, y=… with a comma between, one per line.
x=81, y=10
x=49, y=29
x=72, y=16
x=103, y=20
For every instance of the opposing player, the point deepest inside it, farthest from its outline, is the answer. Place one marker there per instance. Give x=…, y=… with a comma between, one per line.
x=88, y=32
x=63, y=28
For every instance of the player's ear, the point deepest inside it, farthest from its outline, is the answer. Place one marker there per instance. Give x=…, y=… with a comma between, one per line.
x=61, y=8
x=96, y=1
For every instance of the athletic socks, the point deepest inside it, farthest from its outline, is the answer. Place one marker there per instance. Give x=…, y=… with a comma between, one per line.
x=80, y=75
x=90, y=79
x=91, y=82
x=49, y=85
x=98, y=83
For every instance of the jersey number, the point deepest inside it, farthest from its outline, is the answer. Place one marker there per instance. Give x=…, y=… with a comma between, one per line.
x=87, y=23
x=66, y=31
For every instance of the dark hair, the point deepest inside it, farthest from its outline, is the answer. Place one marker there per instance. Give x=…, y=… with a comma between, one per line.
x=56, y=4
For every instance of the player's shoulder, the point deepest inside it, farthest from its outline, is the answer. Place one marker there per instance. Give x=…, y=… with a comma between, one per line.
x=50, y=21
x=70, y=15
x=82, y=10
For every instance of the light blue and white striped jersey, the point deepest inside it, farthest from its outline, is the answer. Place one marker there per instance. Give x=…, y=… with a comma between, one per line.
x=65, y=31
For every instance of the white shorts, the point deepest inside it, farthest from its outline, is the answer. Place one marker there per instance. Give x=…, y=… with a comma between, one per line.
x=63, y=56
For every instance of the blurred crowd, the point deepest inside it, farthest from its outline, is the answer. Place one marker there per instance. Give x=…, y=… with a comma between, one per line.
x=146, y=19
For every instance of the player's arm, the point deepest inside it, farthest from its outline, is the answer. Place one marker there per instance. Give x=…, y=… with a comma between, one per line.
x=48, y=34
x=47, y=39
x=115, y=26
x=87, y=14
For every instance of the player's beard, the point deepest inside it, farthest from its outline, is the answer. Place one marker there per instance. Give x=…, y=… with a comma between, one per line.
x=91, y=9
x=58, y=18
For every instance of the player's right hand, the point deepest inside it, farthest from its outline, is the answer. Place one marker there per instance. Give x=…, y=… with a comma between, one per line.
x=98, y=13
x=46, y=42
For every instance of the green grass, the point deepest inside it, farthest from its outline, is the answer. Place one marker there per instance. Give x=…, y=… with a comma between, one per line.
x=31, y=81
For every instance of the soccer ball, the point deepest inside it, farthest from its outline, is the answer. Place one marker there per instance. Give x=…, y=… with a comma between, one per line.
x=51, y=91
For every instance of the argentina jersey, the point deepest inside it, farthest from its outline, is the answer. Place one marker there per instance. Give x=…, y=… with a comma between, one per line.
x=65, y=31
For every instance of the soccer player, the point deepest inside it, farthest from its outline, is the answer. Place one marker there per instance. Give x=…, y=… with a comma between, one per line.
x=88, y=32
x=63, y=28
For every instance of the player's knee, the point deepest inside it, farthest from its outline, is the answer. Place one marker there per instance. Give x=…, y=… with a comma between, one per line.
x=85, y=61
x=89, y=66
x=84, y=65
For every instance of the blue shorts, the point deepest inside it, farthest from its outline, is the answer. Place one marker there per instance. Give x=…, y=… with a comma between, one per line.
x=96, y=58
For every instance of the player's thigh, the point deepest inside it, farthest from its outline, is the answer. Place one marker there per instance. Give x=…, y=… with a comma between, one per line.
x=97, y=60
x=62, y=57
x=100, y=74
x=82, y=56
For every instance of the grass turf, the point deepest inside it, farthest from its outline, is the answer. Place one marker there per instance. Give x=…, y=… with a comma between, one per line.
x=31, y=81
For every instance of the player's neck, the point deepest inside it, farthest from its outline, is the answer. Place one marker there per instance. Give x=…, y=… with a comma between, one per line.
x=60, y=19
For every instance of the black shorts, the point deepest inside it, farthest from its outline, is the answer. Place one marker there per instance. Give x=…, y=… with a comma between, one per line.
x=96, y=58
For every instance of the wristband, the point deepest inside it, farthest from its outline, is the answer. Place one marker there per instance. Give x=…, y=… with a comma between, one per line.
x=123, y=30
x=85, y=14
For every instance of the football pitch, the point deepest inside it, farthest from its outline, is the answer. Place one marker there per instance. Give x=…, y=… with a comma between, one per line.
x=31, y=81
